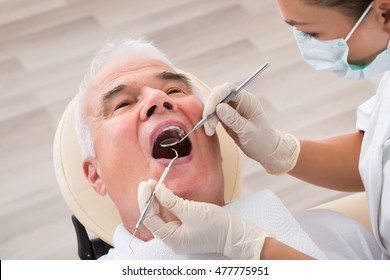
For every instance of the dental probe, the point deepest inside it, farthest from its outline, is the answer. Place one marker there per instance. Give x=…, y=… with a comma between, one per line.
x=173, y=141
x=149, y=203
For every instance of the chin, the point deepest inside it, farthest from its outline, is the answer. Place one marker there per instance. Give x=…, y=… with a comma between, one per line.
x=196, y=192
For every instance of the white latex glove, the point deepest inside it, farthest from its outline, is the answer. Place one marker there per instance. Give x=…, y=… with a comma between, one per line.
x=201, y=227
x=245, y=121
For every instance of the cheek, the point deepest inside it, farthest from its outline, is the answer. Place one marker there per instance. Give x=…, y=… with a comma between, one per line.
x=193, y=109
x=117, y=150
x=122, y=164
x=113, y=137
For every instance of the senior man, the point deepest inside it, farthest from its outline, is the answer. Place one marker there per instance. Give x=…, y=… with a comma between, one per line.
x=132, y=100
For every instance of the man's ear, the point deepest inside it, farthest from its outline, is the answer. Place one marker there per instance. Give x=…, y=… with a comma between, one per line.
x=91, y=172
x=383, y=13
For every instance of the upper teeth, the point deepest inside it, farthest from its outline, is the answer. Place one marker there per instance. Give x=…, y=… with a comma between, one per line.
x=179, y=130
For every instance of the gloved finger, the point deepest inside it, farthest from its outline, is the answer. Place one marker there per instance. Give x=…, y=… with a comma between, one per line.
x=144, y=192
x=168, y=200
x=160, y=228
x=153, y=221
x=153, y=183
x=176, y=205
x=248, y=105
x=187, y=211
x=211, y=125
x=231, y=118
x=217, y=95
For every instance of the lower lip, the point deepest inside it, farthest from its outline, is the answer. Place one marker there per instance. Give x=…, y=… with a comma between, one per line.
x=180, y=160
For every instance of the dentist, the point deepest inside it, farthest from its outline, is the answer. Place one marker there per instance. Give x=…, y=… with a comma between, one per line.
x=351, y=39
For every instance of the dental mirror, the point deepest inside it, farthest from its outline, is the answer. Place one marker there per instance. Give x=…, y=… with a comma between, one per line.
x=170, y=142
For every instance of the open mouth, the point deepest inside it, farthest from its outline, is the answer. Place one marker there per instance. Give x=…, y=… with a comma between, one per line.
x=183, y=148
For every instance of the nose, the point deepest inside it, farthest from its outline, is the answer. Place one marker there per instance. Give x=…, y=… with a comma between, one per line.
x=156, y=102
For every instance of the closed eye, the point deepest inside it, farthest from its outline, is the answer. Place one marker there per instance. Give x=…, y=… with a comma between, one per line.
x=174, y=91
x=122, y=105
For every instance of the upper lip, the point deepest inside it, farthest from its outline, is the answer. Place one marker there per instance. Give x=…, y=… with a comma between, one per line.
x=159, y=128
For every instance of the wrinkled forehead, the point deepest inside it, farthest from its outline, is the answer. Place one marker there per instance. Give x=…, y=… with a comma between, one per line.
x=122, y=68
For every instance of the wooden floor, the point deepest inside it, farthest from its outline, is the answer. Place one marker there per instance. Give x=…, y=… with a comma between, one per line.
x=46, y=45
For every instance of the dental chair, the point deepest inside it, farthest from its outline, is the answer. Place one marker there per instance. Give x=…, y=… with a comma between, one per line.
x=95, y=218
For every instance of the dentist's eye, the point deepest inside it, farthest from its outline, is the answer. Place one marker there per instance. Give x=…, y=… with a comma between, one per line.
x=309, y=35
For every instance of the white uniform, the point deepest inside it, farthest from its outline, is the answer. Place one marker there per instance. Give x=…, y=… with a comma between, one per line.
x=373, y=117
x=335, y=239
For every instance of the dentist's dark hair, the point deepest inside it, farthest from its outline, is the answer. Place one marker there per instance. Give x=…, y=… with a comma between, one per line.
x=351, y=8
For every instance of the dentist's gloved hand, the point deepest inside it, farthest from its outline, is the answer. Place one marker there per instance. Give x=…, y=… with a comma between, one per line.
x=245, y=121
x=201, y=227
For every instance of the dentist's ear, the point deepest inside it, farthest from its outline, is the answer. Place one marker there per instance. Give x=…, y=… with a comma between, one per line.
x=91, y=172
x=383, y=13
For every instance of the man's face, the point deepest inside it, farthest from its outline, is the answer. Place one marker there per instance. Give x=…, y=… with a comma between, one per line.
x=131, y=106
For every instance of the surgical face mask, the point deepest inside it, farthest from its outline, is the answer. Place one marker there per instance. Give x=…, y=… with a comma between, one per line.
x=332, y=55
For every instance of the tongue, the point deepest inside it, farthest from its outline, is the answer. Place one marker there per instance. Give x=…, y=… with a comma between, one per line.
x=160, y=152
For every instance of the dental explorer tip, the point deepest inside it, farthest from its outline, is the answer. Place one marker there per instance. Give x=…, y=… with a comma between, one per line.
x=177, y=155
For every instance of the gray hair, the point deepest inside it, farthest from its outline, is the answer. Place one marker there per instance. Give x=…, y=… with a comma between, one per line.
x=108, y=53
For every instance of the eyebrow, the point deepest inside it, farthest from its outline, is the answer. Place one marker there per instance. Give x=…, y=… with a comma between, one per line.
x=175, y=77
x=295, y=23
x=109, y=95
x=112, y=92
